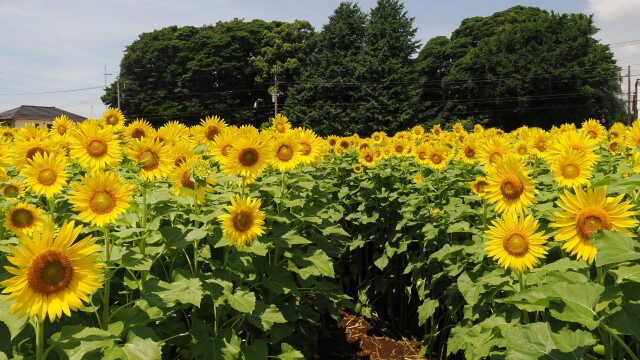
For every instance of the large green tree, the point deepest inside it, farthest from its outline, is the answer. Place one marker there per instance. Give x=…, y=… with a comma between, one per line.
x=324, y=96
x=388, y=90
x=520, y=66
x=187, y=73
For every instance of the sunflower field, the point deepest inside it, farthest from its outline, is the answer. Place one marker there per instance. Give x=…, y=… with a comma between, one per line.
x=121, y=241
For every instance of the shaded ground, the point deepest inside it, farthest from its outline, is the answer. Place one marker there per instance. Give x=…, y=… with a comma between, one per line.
x=354, y=338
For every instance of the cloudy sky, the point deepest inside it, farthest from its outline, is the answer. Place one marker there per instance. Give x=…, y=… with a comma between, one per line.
x=48, y=47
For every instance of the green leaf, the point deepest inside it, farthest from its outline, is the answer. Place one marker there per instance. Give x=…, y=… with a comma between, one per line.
x=293, y=238
x=257, y=350
x=289, y=353
x=135, y=349
x=426, y=310
x=626, y=319
x=182, y=290
x=382, y=261
x=174, y=237
x=14, y=323
x=627, y=273
x=242, y=300
x=76, y=341
x=196, y=234
x=265, y=316
x=614, y=247
x=537, y=341
x=461, y=226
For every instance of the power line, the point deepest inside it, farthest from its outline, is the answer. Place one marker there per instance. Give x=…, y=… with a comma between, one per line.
x=53, y=92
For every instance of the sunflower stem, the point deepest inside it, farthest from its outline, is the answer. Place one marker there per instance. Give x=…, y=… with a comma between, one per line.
x=620, y=341
x=39, y=338
x=196, y=224
x=52, y=207
x=107, y=280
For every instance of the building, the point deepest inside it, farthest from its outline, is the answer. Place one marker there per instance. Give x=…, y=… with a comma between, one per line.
x=40, y=115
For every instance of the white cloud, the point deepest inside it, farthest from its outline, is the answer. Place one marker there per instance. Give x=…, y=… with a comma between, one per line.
x=615, y=10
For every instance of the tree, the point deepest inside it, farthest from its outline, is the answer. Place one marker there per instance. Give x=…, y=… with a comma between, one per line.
x=324, y=95
x=522, y=66
x=388, y=94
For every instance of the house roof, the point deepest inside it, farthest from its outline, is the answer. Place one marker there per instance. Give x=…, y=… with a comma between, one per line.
x=38, y=113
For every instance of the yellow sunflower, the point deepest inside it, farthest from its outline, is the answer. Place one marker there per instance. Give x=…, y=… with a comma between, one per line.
x=571, y=169
x=46, y=175
x=595, y=130
x=367, y=157
x=100, y=197
x=618, y=131
x=183, y=183
x=173, y=132
x=113, y=118
x=285, y=152
x=576, y=140
x=378, y=137
x=281, y=124
x=24, y=150
x=469, y=150
x=539, y=142
x=209, y=129
x=153, y=158
x=244, y=222
x=514, y=243
x=248, y=157
x=400, y=147
x=633, y=136
x=492, y=150
x=139, y=128
x=436, y=130
x=509, y=186
x=357, y=168
x=478, y=186
x=13, y=190
x=52, y=275
x=62, y=125
x=586, y=212
x=181, y=152
x=332, y=141
x=223, y=143
x=24, y=218
x=310, y=146
x=417, y=131
x=94, y=148
x=438, y=156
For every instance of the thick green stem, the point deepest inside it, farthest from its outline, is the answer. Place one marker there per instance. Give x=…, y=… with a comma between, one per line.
x=620, y=341
x=39, y=338
x=107, y=281
x=52, y=208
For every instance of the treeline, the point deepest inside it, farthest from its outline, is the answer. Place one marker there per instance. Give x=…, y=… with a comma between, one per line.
x=365, y=71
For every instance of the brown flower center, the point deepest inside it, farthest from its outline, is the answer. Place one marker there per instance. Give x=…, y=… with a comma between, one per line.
x=186, y=181
x=149, y=160
x=511, y=187
x=22, y=218
x=422, y=155
x=589, y=221
x=516, y=244
x=344, y=144
x=399, y=149
x=495, y=157
x=179, y=160
x=280, y=128
x=33, y=151
x=62, y=129
x=50, y=272
x=592, y=134
x=97, y=147
x=480, y=186
x=469, y=152
x=11, y=191
x=47, y=177
x=248, y=157
x=137, y=133
x=436, y=158
x=570, y=171
x=211, y=132
x=285, y=153
x=102, y=202
x=306, y=148
x=242, y=221
x=225, y=149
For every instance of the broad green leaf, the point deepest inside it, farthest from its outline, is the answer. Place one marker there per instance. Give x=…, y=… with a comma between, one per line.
x=627, y=273
x=14, y=323
x=382, y=261
x=289, y=353
x=461, y=226
x=626, y=319
x=196, y=234
x=537, y=341
x=242, y=300
x=265, y=316
x=293, y=238
x=426, y=310
x=76, y=341
x=614, y=247
x=182, y=290
x=135, y=349
x=174, y=237
x=257, y=350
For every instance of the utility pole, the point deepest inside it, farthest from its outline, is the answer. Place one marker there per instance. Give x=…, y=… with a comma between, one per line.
x=274, y=96
x=105, y=81
x=118, y=87
x=630, y=109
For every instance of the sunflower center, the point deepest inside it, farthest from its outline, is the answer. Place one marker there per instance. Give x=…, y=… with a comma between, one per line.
x=480, y=186
x=186, y=181
x=50, y=272
x=33, y=151
x=422, y=155
x=22, y=218
x=62, y=129
x=11, y=191
x=149, y=160
x=613, y=146
x=306, y=149
x=590, y=221
x=570, y=171
x=593, y=134
x=102, y=202
x=137, y=133
x=511, y=187
x=97, y=147
x=541, y=146
x=211, y=132
x=225, y=149
x=522, y=150
x=469, y=152
x=284, y=153
x=280, y=128
x=368, y=158
x=242, y=221
x=47, y=177
x=179, y=160
x=399, y=149
x=249, y=157
x=344, y=144
x=436, y=158
x=516, y=244
x=495, y=157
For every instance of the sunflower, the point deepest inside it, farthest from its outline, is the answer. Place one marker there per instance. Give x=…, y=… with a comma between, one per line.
x=183, y=183
x=173, y=131
x=248, y=157
x=595, y=130
x=100, y=197
x=13, y=190
x=379, y=136
x=344, y=144
x=62, y=125
x=586, y=212
x=223, y=143
x=139, y=128
x=492, y=150
x=209, y=129
x=367, y=157
x=153, y=157
x=421, y=153
x=513, y=242
x=469, y=150
x=417, y=131
x=31, y=131
x=24, y=150
x=539, y=142
x=571, y=169
x=94, y=148
x=576, y=140
x=417, y=178
x=181, y=152
x=285, y=152
x=438, y=156
x=244, y=222
x=281, y=124
x=509, y=186
x=310, y=146
x=478, y=186
x=52, y=275
x=522, y=148
x=400, y=147
x=436, y=130
x=46, y=175
x=616, y=146
x=633, y=136
x=618, y=131
x=24, y=218
x=357, y=168
x=7, y=133
x=113, y=118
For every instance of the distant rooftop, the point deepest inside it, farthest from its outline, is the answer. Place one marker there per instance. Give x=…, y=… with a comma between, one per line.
x=31, y=112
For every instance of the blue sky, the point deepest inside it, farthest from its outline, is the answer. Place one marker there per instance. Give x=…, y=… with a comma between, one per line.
x=65, y=44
